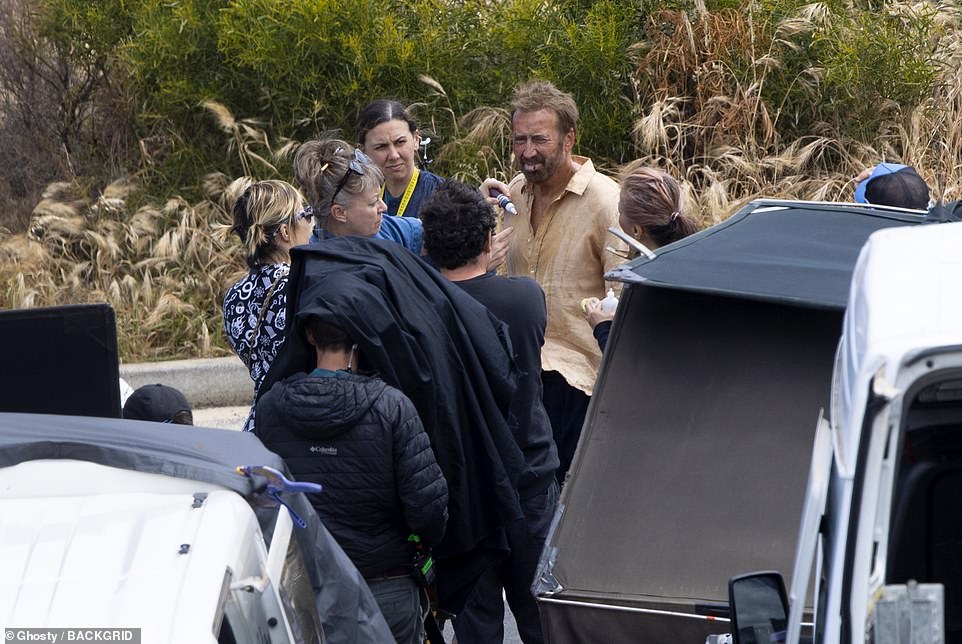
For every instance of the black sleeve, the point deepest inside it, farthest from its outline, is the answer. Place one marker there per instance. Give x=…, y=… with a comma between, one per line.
x=421, y=485
x=601, y=333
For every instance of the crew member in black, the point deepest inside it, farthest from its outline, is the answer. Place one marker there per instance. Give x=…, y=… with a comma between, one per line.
x=458, y=228
x=363, y=441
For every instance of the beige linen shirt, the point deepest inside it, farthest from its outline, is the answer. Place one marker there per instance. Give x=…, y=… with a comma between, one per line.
x=567, y=257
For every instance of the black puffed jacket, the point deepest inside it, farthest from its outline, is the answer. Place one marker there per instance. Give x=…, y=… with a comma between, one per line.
x=364, y=443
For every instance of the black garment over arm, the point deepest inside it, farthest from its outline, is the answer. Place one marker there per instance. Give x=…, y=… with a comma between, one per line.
x=449, y=355
x=601, y=331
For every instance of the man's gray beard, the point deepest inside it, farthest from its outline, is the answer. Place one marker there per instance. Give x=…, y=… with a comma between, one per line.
x=535, y=177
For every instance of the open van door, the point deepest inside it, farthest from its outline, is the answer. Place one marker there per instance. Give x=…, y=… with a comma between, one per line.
x=885, y=544
x=809, y=533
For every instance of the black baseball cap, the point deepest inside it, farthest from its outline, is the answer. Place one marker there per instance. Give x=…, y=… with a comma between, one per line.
x=158, y=403
x=894, y=184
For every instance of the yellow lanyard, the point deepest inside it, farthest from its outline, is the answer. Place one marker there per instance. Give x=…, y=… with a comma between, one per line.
x=407, y=192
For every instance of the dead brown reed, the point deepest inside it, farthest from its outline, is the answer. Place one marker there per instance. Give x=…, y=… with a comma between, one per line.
x=247, y=139
x=709, y=124
x=483, y=134
x=159, y=267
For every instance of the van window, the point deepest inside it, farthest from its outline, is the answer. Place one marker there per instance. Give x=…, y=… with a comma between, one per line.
x=226, y=634
x=925, y=538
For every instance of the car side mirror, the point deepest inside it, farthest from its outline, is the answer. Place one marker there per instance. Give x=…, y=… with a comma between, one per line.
x=759, y=608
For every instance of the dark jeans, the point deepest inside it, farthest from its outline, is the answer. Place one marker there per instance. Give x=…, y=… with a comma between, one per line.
x=482, y=620
x=400, y=601
x=566, y=407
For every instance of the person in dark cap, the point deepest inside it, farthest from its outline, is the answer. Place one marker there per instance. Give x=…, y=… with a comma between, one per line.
x=892, y=184
x=159, y=403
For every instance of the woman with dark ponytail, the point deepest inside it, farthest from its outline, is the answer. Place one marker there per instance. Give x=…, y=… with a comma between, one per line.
x=651, y=209
x=388, y=134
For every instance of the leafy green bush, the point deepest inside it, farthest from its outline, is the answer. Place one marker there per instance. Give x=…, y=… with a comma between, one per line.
x=878, y=62
x=590, y=55
x=306, y=66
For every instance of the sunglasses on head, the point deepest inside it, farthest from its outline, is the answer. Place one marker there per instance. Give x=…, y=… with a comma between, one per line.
x=356, y=166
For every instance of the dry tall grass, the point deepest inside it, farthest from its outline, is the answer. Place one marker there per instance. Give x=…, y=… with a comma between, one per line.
x=164, y=271
x=710, y=126
x=161, y=268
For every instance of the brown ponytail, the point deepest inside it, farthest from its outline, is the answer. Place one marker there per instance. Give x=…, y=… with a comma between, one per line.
x=652, y=200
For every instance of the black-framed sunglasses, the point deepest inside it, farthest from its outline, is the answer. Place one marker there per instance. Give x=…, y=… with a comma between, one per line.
x=356, y=166
x=307, y=213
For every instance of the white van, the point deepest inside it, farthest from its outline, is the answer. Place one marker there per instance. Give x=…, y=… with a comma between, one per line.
x=119, y=524
x=881, y=531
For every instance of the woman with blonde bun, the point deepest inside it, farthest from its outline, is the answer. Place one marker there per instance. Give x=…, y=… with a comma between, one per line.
x=269, y=218
x=343, y=187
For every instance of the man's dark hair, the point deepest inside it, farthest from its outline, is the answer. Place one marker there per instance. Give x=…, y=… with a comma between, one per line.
x=183, y=417
x=327, y=336
x=903, y=189
x=457, y=224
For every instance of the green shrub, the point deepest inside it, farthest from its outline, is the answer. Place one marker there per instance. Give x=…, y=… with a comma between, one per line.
x=306, y=66
x=590, y=56
x=879, y=63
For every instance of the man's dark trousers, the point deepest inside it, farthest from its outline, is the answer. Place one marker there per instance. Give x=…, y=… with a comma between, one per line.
x=482, y=621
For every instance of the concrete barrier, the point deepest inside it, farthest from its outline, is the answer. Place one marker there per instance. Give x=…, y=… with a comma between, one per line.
x=211, y=382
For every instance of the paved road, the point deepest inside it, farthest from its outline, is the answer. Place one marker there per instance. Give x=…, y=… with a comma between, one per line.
x=221, y=417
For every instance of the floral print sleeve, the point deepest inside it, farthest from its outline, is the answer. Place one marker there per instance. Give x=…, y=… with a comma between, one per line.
x=244, y=304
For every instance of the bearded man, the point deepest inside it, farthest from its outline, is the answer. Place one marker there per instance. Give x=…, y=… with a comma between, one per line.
x=564, y=208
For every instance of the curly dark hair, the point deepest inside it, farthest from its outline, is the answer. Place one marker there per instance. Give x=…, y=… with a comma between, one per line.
x=457, y=224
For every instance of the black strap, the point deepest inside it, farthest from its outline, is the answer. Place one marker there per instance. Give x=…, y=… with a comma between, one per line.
x=267, y=301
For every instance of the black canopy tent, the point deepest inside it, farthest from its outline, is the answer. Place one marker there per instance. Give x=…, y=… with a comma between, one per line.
x=694, y=455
